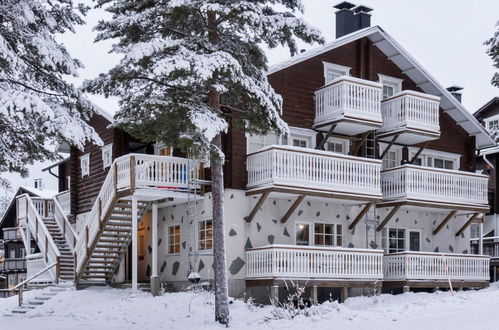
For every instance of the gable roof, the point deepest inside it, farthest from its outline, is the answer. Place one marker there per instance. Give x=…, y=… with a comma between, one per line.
x=486, y=106
x=411, y=68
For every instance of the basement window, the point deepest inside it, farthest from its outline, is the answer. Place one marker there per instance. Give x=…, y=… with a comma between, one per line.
x=85, y=165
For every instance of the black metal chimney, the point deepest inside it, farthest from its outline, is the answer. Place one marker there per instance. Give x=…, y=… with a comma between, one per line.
x=456, y=92
x=362, y=17
x=345, y=20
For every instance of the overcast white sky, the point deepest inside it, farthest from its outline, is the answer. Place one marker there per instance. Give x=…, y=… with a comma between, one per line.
x=445, y=36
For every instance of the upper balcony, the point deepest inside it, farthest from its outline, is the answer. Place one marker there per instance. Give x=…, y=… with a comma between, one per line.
x=287, y=169
x=12, y=234
x=434, y=186
x=13, y=265
x=352, y=104
x=411, y=116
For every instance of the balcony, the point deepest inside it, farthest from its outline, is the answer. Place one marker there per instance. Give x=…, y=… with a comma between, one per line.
x=12, y=234
x=282, y=262
x=352, y=104
x=287, y=169
x=436, y=267
x=433, y=186
x=411, y=116
x=13, y=265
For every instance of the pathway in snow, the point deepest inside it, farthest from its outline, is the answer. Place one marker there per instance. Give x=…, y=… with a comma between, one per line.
x=109, y=309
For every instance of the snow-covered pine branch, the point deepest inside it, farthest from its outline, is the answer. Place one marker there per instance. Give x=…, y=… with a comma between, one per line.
x=493, y=52
x=38, y=108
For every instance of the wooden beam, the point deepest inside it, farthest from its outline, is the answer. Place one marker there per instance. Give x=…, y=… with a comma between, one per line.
x=389, y=146
x=469, y=222
x=416, y=155
x=444, y=222
x=262, y=199
x=359, y=144
x=293, y=207
x=360, y=215
x=388, y=217
x=328, y=134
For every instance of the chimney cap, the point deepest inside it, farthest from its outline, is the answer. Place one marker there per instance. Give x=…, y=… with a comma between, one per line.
x=454, y=88
x=363, y=9
x=344, y=5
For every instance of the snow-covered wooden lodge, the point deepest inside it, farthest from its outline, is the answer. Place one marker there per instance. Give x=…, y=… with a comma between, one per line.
x=373, y=189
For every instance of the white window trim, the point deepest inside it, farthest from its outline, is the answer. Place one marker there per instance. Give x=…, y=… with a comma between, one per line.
x=206, y=251
x=487, y=120
x=279, y=141
x=180, y=244
x=310, y=235
x=105, y=149
x=85, y=172
x=396, y=83
x=408, y=238
x=345, y=142
x=396, y=148
x=328, y=66
x=407, y=241
x=456, y=158
x=335, y=233
x=301, y=132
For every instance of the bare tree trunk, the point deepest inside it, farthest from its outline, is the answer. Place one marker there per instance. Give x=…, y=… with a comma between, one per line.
x=219, y=259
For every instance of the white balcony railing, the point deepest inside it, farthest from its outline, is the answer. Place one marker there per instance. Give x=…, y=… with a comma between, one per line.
x=64, y=199
x=44, y=206
x=292, y=262
x=434, y=185
x=348, y=96
x=435, y=266
x=410, y=109
x=313, y=169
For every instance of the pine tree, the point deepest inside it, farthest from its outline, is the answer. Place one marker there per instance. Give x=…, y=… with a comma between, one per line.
x=38, y=108
x=493, y=52
x=187, y=66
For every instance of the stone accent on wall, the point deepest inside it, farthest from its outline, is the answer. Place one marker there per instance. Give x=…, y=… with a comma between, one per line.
x=436, y=249
x=201, y=266
x=351, y=246
x=271, y=239
x=232, y=232
x=451, y=248
x=148, y=271
x=248, y=244
x=183, y=245
x=285, y=232
x=163, y=266
x=258, y=227
x=236, y=266
x=176, y=266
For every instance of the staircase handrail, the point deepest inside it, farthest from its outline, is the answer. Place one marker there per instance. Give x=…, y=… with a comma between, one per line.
x=64, y=225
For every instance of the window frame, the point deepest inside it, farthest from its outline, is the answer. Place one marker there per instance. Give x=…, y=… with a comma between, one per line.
x=85, y=171
x=335, y=234
x=198, y=239
x=408, y=235
x=432, y=154
x=310, y=236
x=395, y=83
x=387, y=238
x=337, y=69
x=394, y=148
x=344, y=142
x=303, y=133
x=174, y=244
x=108, y=148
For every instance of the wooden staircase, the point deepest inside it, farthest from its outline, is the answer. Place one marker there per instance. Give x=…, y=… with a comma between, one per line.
x=112, y=243
x=66, y=261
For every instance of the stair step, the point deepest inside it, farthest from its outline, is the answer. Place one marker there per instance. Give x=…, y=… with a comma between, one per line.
x=117, y=230
x=112, y=241
x=116, y=217
x=115, y=235
x=42, y=298
x=119, y=224
x=36, y=303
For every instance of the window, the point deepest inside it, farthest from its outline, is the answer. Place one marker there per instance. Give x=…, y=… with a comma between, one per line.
x=333, y=71
x=390, y=159
x=142, y=244
x=85, y=165
x=443, y=163
x=391, y=85
x=337, y=145
x=302, y=234
x=205, y=235
x=493, y=125
x=414, y=241
x=436, y=159
x=299, y=137
x=107, y=155
x=326, y=234
x=174, y=239
x=257, y=142
x=396, y=240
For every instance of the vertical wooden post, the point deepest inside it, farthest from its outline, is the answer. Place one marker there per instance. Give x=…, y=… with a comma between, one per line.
x=132, y=173
x=86, y=241
x=154, y=239
x=134, y=243
x=480, y=238
x=57, y=269
x=100, y=213
x=115, y=178
x=46, y=248
x=75, y=263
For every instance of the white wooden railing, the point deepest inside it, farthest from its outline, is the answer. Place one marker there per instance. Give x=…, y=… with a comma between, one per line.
x=308, y=168
x=64, y=225
x=412, y=110
x=35, y=264
x=44, y=206
x=434, y=185
x=357, y=98
x=132, y=171
x=28, y=217
x=432, y=266
x=64, y=199
x=290, y=261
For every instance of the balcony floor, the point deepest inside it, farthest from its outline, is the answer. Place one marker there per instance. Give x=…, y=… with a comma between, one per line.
x=310, y=282
x=348, y=126
x=434, y=206
x=408, y=136
x=433, y=284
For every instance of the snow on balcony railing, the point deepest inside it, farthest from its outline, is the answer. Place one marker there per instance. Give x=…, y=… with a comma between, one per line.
x=313, y=169
x=432, y=266
x=410, y=109
x=357, y=98
x=434, y=185
x=290, y=261
x=64, y=199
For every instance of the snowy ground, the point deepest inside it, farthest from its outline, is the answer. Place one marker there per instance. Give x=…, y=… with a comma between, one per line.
x=106, y=308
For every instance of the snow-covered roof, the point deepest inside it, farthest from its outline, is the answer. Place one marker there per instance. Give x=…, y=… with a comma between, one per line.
x=103, y=113
x=486, y=105
x=41, y=193
x=410, y=67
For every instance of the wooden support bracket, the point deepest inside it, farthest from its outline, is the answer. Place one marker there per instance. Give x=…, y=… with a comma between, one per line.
x=444, y=222
x=292, y=208
x=416, y=155
x=259, y=204
x=388, y=217
x=360, y=215
x=389, y=146
x=328, y=134
x=466, y=225
x=360, y=144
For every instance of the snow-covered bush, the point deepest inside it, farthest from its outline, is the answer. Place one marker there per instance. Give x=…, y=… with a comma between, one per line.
x=295, y=305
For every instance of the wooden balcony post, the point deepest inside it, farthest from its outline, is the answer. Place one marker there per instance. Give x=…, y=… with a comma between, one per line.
x=86, y=241
x=132, y=174
x=58, y=269
x=46, y=248
x=134, y=244
x=115, y=177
